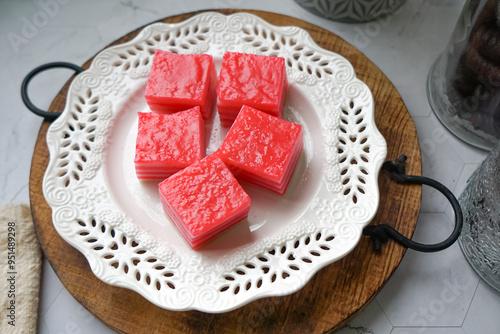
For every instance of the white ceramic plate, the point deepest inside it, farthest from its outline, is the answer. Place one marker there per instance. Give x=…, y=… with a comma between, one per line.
x=117, y=222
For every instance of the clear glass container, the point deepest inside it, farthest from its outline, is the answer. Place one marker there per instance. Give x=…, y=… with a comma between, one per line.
x=351, y=11
x=463, y=85
x=480, y=203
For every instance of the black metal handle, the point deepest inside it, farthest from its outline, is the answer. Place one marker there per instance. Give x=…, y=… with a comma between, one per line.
x=50, y=116
x=380, y=233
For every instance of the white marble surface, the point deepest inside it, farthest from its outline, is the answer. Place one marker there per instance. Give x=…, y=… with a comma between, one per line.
x=429, y=293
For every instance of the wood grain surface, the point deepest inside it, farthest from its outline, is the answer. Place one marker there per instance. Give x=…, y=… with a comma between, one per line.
x=335, y=295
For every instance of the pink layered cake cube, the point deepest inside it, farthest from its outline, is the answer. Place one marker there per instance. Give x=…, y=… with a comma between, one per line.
x=181, y=81
x=204, y=200
x=262, y=149
x=253, y=80
x=167, y=143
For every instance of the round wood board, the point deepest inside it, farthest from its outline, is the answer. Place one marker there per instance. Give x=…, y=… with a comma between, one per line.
x=335, y=295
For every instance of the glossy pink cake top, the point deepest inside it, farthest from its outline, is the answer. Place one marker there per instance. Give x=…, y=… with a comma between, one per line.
x=204, y=195
x=176, y=137
x=260, y=143
x=252, y=79
x=180, y=77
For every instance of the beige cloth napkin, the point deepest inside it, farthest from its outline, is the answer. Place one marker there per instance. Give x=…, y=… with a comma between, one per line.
x=20, y=269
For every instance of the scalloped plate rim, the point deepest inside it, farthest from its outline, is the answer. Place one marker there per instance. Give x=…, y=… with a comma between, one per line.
x=125, y=283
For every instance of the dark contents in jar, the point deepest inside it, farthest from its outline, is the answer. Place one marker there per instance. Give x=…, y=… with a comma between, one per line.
x=475, y=88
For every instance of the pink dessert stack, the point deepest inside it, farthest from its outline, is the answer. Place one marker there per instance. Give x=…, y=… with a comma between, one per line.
x=202, y=195
x=204, y=200
x=253, y=80
x=167, y=143
x=178, y=82
x=262, y=149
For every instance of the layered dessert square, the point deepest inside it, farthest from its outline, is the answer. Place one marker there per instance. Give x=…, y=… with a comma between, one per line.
x=204, y=200
x=167, y=143
x=262, y=149
x=254, y=80
x=181, y=81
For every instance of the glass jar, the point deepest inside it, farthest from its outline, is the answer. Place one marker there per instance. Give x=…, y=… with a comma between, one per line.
x=351, y=11
x=463, y=85
x=480, y=203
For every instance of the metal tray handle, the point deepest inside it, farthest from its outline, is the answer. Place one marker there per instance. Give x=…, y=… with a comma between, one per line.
x=49, y=116
x=381, y=233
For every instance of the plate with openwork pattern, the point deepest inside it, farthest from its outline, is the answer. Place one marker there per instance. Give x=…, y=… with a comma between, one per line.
x=117, y=222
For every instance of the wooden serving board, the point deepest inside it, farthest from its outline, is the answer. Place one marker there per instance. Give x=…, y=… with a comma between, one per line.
x=334, y=296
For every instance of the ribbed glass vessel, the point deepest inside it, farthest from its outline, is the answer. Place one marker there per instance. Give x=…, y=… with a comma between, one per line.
x=351, y=11
x=480, y=203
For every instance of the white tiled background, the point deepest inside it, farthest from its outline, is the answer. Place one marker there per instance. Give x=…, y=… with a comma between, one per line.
x=429, y=293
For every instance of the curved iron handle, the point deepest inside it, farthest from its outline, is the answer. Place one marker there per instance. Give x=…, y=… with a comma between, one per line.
x=50, y=116
x=380, y=233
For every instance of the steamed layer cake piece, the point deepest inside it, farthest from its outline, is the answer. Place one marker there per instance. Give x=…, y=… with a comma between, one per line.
x=167, y=143
x=262, y=149
x=181, y=81
x=204, y=200
x=254, y=80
